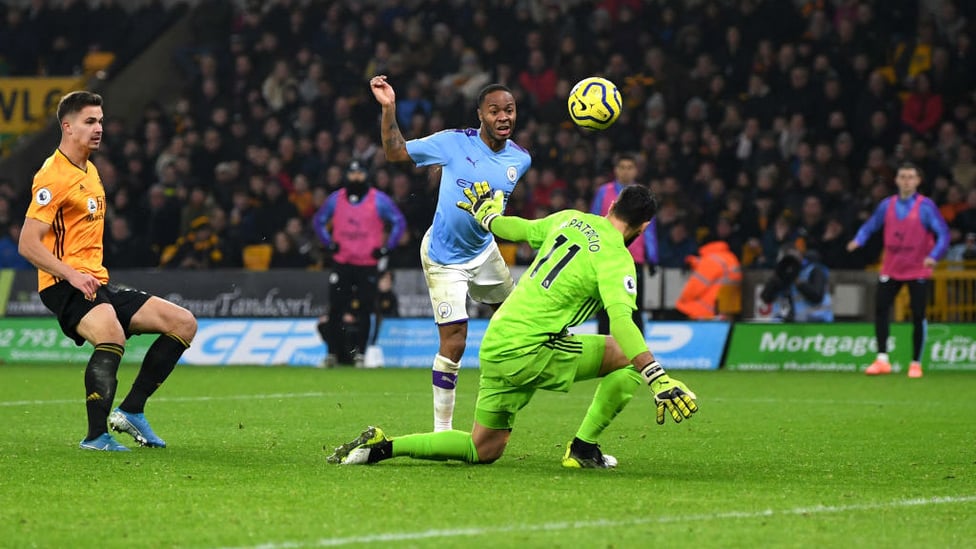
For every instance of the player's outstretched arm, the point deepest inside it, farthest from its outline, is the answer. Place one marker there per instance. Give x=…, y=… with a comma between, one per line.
x=669, y=394
x=394, y=145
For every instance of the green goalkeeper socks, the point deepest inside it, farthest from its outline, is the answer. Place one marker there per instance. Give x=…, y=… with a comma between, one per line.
x=439, y=446
x=612, y=395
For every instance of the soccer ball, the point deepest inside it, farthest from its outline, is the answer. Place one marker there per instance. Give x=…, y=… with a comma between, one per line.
x=594, y=103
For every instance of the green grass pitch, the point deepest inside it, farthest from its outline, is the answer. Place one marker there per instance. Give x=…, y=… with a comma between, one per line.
x=771, y=460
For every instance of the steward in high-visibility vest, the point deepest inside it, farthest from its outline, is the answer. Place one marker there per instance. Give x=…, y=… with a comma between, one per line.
x=714, y=267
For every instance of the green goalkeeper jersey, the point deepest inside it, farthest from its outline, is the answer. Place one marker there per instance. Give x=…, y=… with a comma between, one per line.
x=582, y=265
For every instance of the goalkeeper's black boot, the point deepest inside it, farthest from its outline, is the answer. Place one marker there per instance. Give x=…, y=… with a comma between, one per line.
x=585, y=455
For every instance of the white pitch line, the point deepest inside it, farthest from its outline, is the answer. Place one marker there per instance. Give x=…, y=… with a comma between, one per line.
x=605, y=523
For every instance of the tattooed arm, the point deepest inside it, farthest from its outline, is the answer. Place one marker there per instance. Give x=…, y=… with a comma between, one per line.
x=393, y=143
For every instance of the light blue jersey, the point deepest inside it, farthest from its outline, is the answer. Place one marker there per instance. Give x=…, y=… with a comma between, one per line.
x=455, y=236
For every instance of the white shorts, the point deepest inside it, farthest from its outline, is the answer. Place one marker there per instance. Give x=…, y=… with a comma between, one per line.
x=486, y=278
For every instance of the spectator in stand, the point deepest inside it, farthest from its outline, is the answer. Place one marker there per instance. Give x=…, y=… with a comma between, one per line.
x=274, y=86
x=302, y=235
x=964, y=250
x=915, y=238
x=286, y=255
x=413, y=102
x=125, y=250
x=676, y=245
x=196, y=204
x=833, y=245
x=302, y=197
x=643, y=249
x=538, y=80
x=922, y=109
x=200, y=248
x=6, y=215
x=912, y=55
x=470, y=77
x=744, y=219
x=163, y=211
x=230, y=242
x=811, y=223
x=19, y=45
x=10, y=258
x=876, y=97
x=965, y=221
x=963, y=170
x=782, y=231
x=953, y=203
x=275, y=211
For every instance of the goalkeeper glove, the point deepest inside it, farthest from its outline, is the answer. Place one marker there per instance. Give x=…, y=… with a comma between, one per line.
x=484, y=205
x=669, y=394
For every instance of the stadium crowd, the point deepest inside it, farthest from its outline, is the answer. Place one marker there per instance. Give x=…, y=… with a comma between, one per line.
x=758, y=122
x=52, y=37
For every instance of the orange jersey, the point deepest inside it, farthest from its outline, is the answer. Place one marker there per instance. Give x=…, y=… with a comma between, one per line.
x=72, y=201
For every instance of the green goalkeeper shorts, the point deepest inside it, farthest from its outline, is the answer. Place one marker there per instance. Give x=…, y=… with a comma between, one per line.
x=507, y=386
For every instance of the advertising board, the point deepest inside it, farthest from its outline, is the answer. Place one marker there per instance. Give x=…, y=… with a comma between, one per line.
x=846, y=347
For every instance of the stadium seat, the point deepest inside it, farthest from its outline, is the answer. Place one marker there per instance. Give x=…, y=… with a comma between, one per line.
x=257, y=257
x=730, y=300
x=96, y=61
x=508, y=251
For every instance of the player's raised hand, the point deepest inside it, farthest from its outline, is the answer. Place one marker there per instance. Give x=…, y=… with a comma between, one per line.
x=482, y=203
x=669, y=394
x=382, y=91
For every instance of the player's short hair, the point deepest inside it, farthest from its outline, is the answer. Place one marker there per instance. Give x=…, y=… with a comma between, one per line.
x=624, y=157
x=634, y=205
x=77, y=100
x=490, y=88
x=912, y=166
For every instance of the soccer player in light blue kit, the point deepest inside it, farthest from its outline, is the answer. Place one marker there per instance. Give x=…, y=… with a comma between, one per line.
x=458, y=256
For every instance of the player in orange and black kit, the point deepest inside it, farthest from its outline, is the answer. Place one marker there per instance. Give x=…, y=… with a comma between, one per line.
x=62, y=237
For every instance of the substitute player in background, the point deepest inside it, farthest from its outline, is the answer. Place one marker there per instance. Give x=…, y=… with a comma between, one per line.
x=458, y=256
x=910, y=221
x=582, y=264
x=359, y=224
x=643, y=250
x=62, y=237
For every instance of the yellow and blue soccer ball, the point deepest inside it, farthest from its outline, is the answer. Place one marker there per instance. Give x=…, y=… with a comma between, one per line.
x=594, y=103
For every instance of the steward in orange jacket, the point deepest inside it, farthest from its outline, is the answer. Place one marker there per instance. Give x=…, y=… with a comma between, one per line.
x=714, y=267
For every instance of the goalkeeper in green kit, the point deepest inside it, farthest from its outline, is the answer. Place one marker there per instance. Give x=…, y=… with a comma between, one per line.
x=582, y=265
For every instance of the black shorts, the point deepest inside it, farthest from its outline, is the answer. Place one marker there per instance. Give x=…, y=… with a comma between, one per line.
x=70, y=305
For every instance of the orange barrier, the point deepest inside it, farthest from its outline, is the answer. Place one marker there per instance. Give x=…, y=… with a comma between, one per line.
x=953, y=295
